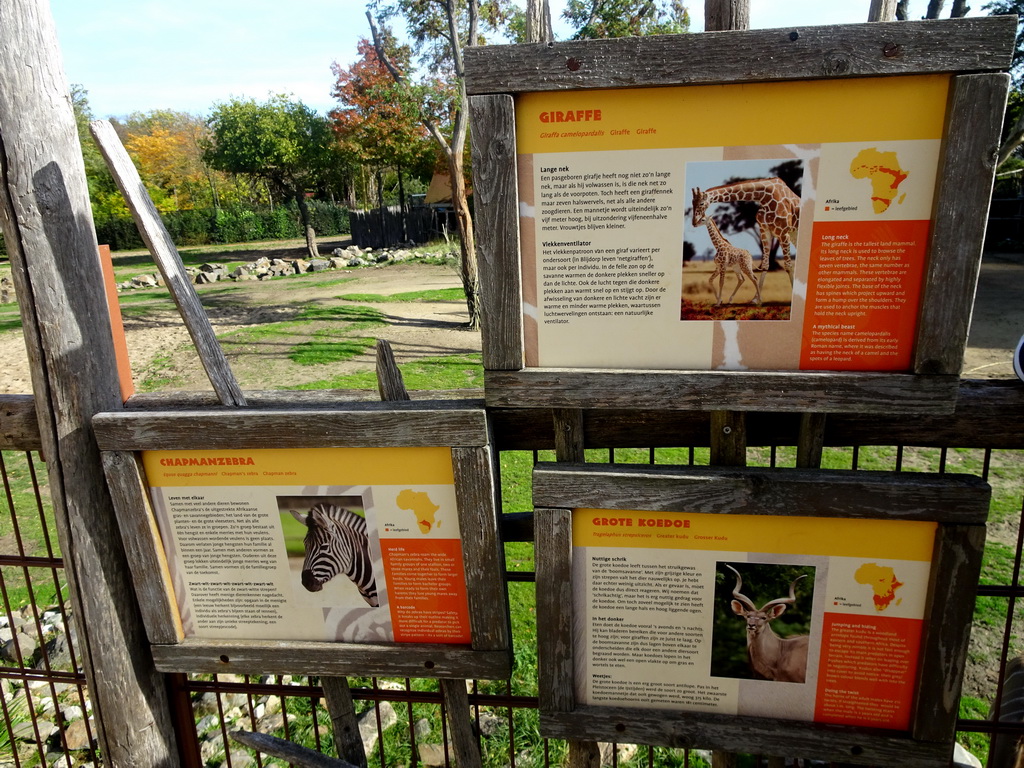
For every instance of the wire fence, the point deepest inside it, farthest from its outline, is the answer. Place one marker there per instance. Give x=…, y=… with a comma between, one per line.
x=45, y=705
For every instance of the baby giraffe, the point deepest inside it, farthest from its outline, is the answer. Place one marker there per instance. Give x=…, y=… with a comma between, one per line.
x=727, y=256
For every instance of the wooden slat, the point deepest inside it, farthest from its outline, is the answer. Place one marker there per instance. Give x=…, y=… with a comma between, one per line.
x=989, y=414
x=856, y=50
x=744, y=734
x=811, y=441
x=377, y=425
x=728, y=438
x=568, y=434
x=964, y=191
x=460, y=723
x=293, y=754
x=160, y=245
x=476, y=495
x=956, y=566
x=19, y=426
x=721, y=390
x=293, y=398
x=554, y=610
x=758, y=491
x=344, y=722
x=390, y=382
x=496, y=205
x=143, y=546
x=282, y=657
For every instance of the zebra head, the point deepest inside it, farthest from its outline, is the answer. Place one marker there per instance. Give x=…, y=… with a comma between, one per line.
x=336, y=543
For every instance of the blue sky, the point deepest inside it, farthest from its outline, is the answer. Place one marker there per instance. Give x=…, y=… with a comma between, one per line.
x=140, y=55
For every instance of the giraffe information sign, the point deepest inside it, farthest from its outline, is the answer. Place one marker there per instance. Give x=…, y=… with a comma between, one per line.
x=798, y=618
x=338, y=544
x=755, y=226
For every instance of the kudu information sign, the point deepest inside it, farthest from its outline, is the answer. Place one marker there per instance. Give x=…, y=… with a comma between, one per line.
x=761, y=602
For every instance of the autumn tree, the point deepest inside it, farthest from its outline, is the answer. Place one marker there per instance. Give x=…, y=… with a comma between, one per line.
x=377, y=120
x=281, y=141
x=440, y=30
x=593, y=19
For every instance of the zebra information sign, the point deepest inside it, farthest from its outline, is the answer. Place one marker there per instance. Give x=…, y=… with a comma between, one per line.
x=343, y=544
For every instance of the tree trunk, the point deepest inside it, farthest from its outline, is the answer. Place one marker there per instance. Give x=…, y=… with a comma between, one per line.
x=934, y=9
x=402, y=208
x=307, y=225
x=467, y=242
x=538, y=21
x=882, y=10
x=722, y=15
x=960, y=9
x=901, y=10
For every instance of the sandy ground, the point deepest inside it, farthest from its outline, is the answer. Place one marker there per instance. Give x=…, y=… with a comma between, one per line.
x=432, y=329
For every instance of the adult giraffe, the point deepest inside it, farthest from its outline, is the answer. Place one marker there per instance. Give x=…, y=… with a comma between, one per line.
x=778, y=213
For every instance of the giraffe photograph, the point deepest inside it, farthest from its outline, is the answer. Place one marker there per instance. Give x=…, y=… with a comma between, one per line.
x=739, y=239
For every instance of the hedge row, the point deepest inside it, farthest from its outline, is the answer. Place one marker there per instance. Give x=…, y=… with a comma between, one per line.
x=228, y=225
x=234, y=225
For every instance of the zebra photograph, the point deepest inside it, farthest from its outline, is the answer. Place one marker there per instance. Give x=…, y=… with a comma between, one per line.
x=334, y=548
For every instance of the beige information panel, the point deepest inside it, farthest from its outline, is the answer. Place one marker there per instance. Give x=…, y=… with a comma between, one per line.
x=798, y=618
x=763, y=226
x=335, y=544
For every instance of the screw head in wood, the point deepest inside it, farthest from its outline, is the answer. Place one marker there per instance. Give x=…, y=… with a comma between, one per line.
x=794, y=35
x=891, y=50
x=726, y=430
x=573, y=64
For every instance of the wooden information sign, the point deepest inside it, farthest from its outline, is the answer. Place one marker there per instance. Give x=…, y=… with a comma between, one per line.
x=356, y=541
x=787, y=220
x=819, y=614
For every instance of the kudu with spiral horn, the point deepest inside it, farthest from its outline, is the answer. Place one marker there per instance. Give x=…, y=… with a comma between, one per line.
x=771, y=657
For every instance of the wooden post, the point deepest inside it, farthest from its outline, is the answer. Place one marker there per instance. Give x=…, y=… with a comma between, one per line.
x=47, y=225
x=456, y=698
x=882, y=10
x=728, y=428
x=569, y=447
x=720, y=15
x=538, y=21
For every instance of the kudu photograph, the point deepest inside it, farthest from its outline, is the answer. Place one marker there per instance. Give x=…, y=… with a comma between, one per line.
x=762, y=621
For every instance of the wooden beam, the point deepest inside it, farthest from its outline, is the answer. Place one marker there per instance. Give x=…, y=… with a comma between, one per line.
x=380, y=425
x=977, y=44
x=719, y=390
x=159, y=242
x=48, y=231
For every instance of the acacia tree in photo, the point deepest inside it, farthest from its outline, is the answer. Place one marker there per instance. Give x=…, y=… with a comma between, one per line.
x=281, y=141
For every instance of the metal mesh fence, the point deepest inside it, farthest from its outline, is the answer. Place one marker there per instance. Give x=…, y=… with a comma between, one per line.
x=46, y=712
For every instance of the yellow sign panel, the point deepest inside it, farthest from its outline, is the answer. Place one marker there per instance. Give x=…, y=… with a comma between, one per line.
x=833, y=537
x=755, y=114
x=299, y=466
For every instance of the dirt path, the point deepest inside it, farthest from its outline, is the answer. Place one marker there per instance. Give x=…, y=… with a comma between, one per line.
x=159, y=344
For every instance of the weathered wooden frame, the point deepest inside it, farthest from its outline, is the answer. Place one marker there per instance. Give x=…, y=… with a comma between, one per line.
x=976, y=51
x=959, y=503
x=462, y=427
